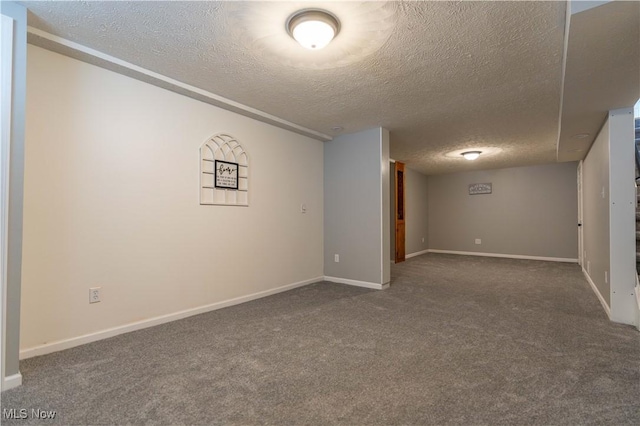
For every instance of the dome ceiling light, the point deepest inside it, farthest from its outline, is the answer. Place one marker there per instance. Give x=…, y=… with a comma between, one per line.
x=364, y=28
x=477, y=150
x=471, y=155
x=313, y=28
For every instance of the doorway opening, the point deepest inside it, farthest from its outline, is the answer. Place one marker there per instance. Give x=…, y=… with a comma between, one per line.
x=399, y=215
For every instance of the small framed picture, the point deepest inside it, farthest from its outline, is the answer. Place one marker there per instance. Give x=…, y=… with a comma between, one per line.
x=480, y=188
x=226, y=175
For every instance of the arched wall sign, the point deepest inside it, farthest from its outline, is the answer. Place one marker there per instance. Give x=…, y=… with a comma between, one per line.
x=224, y=172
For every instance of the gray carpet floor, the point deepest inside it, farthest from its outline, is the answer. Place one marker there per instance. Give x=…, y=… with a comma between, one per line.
x=455, y=340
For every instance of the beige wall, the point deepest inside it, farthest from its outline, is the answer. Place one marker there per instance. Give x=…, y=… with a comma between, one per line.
x=531, y=212
x=111, y=200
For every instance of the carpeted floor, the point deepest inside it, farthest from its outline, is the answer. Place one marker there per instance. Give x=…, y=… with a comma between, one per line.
x=455, y=340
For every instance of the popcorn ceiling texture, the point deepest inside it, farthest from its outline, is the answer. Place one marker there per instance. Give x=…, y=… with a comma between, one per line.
x=441, y=76
x=609, y=67
x=365, y=28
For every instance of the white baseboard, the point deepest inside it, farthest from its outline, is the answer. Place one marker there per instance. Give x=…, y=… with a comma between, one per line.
x=637, y=291
x=603, y=302
x=356, y=283
x=138, y=325
x=418, y=253
x=12, y=381
x=508, y=256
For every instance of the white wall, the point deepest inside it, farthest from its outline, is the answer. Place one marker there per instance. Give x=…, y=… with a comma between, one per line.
x=595, y=196
x=624, y=308
x=609, y=216
x=111, y=200
x=532, y=211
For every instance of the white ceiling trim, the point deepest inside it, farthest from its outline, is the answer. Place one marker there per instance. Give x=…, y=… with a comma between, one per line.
x=77, y=51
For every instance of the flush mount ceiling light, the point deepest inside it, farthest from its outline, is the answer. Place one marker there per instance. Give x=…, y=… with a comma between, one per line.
x=364, y=28
x=484, y=150
x=313, y=28
x=471, y=155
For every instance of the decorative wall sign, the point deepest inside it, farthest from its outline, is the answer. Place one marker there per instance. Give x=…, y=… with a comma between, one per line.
x=480, y=188
x=226, y=175
x=224, y=172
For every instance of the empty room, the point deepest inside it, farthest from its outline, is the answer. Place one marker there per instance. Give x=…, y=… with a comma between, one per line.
x=258, y=212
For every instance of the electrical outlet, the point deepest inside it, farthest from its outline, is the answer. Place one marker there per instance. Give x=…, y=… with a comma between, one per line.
x=478, y=241
x=336, y=258
x=303, y=208
x=94, y=294
x=423, y=239
x=606, y=277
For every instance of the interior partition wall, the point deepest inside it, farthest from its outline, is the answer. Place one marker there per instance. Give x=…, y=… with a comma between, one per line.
x=14, y=61
x=608, y=206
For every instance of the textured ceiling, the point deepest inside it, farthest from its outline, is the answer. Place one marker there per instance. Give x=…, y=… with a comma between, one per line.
x=602, y=72
x=441, y=76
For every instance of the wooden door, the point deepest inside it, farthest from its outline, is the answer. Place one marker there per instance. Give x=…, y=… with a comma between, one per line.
x=400, y=212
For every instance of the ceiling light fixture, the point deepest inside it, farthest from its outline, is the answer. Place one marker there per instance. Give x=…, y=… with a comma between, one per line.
x=471, y=155
x=313, y=28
